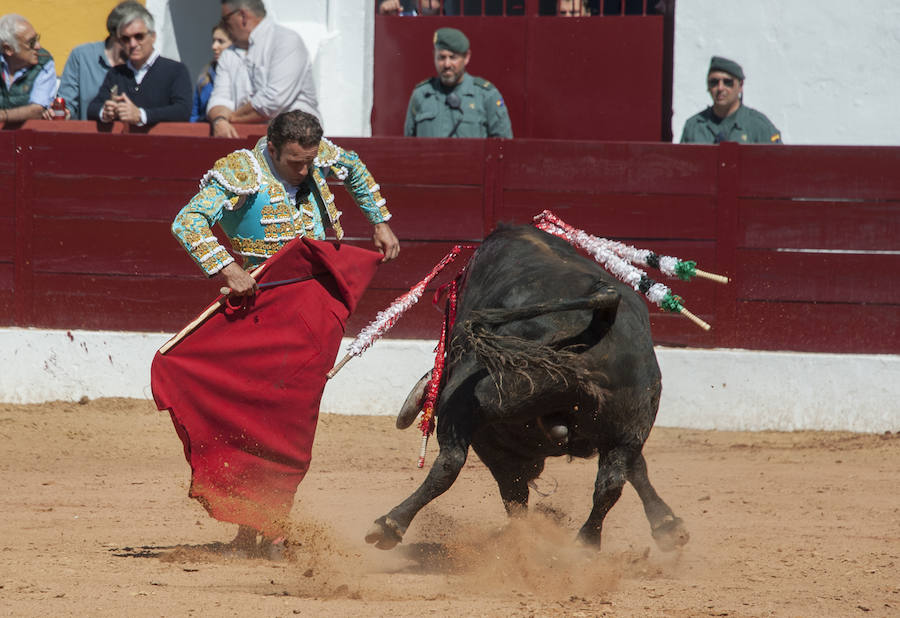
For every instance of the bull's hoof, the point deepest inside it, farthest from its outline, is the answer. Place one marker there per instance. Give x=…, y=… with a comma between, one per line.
x=671, y=534
x=589, y=535
x=385, y=533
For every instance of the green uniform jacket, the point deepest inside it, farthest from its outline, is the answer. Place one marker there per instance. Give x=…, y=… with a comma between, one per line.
x=745, y=126
x=483, y=112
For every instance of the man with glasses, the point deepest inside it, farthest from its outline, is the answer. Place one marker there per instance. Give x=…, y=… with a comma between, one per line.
x=88, y=64
x=728, y=119
x=28, y=74
x=268, y=71
x=148, y=88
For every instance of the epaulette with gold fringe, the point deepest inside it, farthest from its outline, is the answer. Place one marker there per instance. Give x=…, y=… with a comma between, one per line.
x=238, y=172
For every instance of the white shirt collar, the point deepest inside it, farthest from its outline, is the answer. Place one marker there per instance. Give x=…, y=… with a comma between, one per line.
x=140, y=73
x=12, y=76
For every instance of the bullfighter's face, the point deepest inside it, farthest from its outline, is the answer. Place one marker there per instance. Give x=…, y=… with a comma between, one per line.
x=450, y=66
x=292, y=161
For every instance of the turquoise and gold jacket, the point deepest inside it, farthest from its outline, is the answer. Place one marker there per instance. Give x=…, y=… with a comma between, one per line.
x=252, y=207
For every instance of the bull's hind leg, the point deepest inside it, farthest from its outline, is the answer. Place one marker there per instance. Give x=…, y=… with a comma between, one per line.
x=612, y=469
x=388, y=530
x=512, y=474
x=668, y=530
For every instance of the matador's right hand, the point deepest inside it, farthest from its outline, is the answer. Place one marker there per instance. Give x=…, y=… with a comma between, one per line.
x=238, y=280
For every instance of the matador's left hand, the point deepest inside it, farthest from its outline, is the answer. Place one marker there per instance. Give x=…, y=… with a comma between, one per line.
x=386, y=242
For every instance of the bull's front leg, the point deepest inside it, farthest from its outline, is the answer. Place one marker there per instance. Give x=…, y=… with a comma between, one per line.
x=454, y=441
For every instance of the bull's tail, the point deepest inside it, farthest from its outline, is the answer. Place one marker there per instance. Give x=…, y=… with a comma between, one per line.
x=503, y=354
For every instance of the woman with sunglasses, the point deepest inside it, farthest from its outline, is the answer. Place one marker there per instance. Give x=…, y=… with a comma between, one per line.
x=728, y=119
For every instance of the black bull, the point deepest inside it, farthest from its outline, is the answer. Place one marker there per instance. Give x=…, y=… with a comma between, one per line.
x=549, y=356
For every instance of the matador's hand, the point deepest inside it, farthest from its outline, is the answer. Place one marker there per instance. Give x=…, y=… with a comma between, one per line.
x=386, y=242
x=238, y=280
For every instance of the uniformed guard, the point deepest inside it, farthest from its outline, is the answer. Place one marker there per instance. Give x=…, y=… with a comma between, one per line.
x=728, y=119
x=454, y=103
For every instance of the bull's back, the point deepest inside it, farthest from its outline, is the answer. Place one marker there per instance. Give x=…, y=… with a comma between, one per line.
x=518, y=266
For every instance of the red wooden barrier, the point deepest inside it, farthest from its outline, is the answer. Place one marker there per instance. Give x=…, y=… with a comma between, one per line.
x=810, y=235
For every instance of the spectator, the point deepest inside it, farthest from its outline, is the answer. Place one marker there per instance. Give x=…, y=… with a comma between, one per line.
x=220, y=42
x=410, y=7
x=728, y=119
x=89, y=63
x=274, y=76
x=573, y=8
x=29, y=75
x=454, y=103
x=148, y=88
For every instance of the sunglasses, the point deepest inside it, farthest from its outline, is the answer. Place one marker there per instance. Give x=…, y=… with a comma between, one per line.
x=32, y=43
x=228, y=15
x=138, y=38
x=727, y=81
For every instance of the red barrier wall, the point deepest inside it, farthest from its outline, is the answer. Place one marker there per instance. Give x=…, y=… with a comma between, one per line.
x=597, y=78
x=810, y=235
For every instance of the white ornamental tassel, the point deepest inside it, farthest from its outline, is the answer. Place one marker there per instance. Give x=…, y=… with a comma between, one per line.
x=386, y=319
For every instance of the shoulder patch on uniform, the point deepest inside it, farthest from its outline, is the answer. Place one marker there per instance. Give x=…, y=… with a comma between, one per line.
x=238, y=172
x=775, y=139
x=480, y=81
x=328, y=155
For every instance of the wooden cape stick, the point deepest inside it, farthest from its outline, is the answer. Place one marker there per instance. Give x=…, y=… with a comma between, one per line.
x=200, y=319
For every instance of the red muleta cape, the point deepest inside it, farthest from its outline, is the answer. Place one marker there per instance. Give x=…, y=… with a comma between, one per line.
x=243, y=389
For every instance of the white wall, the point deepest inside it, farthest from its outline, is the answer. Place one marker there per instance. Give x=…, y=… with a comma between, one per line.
x=823, y=71
x=702, y=389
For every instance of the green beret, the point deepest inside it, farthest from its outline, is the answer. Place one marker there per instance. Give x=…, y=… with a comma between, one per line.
x=724, y=64
x=451, y=39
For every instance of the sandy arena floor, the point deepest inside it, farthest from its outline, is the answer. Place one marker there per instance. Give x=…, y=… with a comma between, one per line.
x=95, y=521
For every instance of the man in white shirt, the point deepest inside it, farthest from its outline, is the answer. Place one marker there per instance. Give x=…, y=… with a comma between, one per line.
x=267, y=71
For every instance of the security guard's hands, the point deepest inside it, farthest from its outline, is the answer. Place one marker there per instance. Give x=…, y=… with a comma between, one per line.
x=386, y=242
